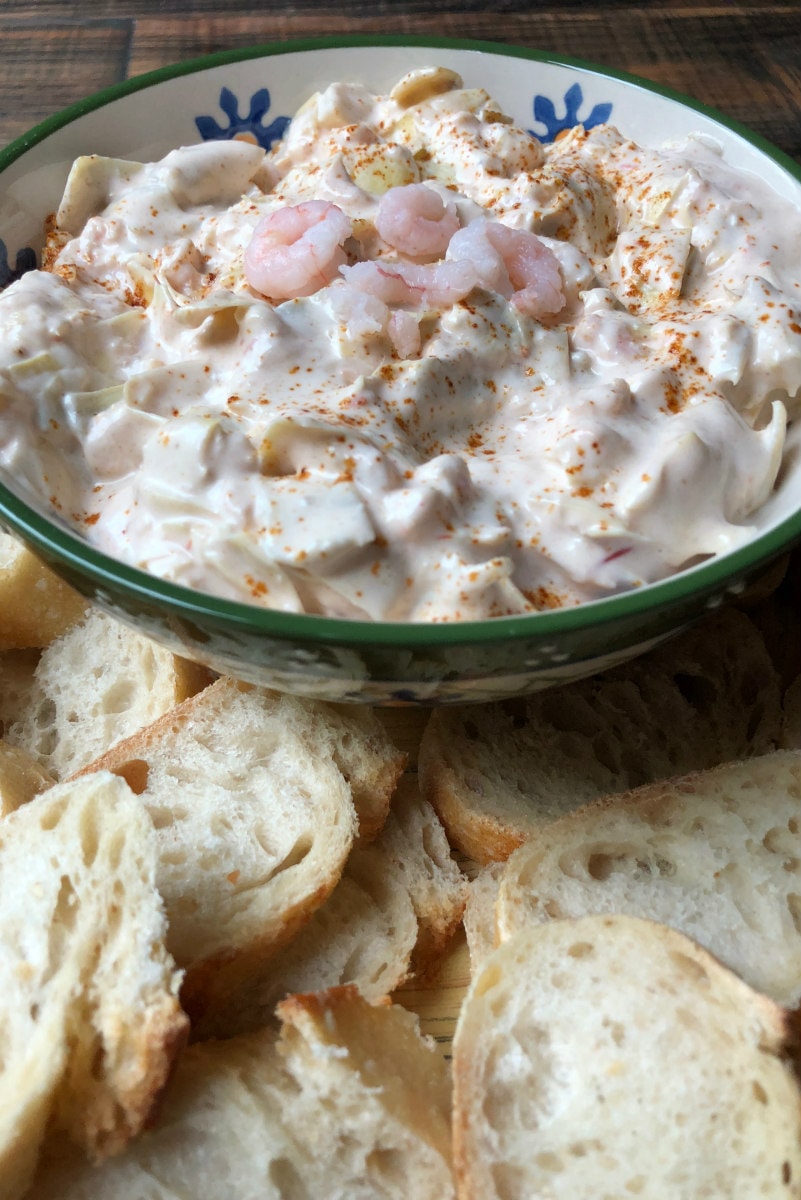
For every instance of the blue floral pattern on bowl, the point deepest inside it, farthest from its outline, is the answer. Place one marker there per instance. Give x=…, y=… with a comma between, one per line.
x=247, y=128
x=25, y=261
x=251, y=127
x=545, y=113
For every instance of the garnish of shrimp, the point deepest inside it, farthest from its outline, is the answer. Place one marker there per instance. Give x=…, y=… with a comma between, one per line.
x=420, y=285
x=297, y=250
x=514, y=263
x=415, y=220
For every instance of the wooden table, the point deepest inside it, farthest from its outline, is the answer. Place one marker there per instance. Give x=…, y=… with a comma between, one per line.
x=743, y=58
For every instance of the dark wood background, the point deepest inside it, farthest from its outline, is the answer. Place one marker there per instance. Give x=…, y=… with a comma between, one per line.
x=743, y=58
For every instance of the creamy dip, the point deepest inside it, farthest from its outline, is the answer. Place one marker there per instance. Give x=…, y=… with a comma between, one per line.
x=346, y=376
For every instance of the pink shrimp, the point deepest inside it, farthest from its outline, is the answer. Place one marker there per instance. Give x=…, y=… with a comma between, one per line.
x=514, y=263
x=297, y=250
x=431, y=285
x=415, y=220
x=404, y=332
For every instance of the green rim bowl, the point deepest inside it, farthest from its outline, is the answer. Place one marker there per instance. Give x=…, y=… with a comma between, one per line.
x=248, y=93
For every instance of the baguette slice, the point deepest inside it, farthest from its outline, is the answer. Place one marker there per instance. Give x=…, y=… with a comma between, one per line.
x=254, y=825
x=612, y=1057
x=90, y=1022
x=389, y=1078
x=35, y=605
x=479, y=913
x=93, y=686
x=350, y=1103
x=716, y=855
x=21, y=778
x=364, y=935
x=496, y=773
x=398, y=902
x=414, y=843
x=355, y=739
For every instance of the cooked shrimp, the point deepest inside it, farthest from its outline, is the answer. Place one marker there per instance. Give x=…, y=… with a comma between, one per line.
x=431, y=285
x=416, y=220
x=359, y=313
x=473, y=244
x=404, y=332
x=514, y=263
x=363, y=316
x=297, y=250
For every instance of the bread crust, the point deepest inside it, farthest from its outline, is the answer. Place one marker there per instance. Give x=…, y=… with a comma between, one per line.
x=93, y=1024
x=497, y=773
x=225, y=928
x=678, y=1081
x=716, y=854
x=36, y=606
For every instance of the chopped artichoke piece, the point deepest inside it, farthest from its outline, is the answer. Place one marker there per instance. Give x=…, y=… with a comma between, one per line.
x=422, y=84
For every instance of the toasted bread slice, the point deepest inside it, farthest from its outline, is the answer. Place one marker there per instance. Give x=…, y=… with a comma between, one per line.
x=613, y=1057
x=93, y=686
x=90, y=1023
x=21, y=778
x=398, y=902
x=716, y=854
x=496, y=773
x=349, y=1103
x=35, y=605
x=254, y=825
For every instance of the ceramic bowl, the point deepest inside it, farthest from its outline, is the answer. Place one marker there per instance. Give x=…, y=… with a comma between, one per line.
x=252, y=94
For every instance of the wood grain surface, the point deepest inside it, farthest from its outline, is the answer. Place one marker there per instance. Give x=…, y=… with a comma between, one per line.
x=742, y=58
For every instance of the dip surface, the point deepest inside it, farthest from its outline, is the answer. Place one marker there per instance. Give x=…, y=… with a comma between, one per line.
x=411, y=365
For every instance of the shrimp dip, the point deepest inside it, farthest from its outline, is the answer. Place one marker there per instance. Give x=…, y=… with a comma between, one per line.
x=410, y=365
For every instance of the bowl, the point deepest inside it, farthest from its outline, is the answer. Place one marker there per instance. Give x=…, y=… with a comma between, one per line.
x=251, y=94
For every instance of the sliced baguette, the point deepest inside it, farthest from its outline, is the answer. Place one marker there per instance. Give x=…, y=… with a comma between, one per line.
x=496, y=773
x=97, y=684
x=350, y=1103
x=370, y=1064
x=363, y=751
x=90, y=1023
x=398, y=902
x=716, y=854
x=364, y=935
x=254, y=825
x=35, y=605
x=612, y=1057
x=479, y=913
x=414, y=843
x=21, y=778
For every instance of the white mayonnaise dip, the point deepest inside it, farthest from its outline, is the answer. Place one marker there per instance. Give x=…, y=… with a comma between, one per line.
x=395, y=423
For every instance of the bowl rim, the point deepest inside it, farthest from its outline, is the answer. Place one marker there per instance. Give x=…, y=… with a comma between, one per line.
x=60, y=544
